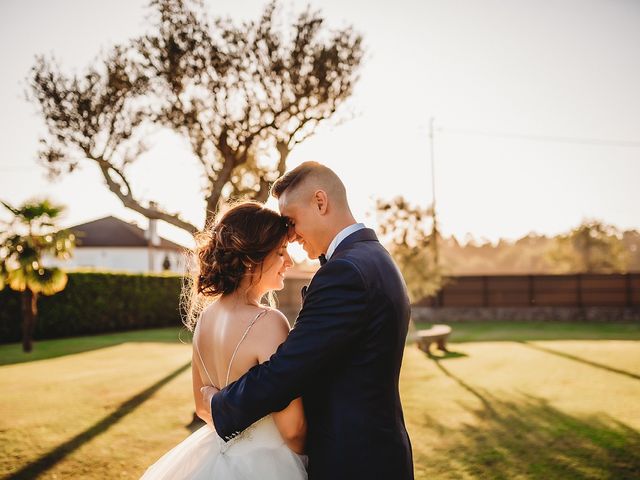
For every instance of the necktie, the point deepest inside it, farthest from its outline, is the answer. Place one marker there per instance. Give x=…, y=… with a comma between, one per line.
x=322, y=259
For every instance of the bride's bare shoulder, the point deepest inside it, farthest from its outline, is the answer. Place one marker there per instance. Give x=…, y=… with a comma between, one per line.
x=271, y=330
x=274, y=318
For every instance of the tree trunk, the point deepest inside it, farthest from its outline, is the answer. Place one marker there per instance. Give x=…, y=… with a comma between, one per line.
x=213, y=200
x=29, y=313
x=263, y=193
x=265, y=186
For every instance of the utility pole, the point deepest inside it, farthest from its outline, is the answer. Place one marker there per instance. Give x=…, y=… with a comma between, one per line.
x=434, y=227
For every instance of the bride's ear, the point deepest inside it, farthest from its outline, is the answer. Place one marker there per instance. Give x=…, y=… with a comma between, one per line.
x=321, y=200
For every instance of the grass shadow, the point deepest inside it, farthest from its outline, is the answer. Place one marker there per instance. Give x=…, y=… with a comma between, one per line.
x=448, y=355
x=48, y=460
x=581, y=360
x=529, y=438
x=45, y=349
x=488, y=409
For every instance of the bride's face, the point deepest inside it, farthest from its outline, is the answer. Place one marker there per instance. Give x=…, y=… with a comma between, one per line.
x=274, y=268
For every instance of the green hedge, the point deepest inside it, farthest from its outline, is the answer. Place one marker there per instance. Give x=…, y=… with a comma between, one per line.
x=95, y=303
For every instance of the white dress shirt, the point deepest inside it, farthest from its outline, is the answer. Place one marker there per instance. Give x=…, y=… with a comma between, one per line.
x=344, y=233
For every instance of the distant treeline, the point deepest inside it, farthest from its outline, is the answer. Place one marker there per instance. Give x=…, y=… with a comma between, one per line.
x=539, y=254
x=408, y=231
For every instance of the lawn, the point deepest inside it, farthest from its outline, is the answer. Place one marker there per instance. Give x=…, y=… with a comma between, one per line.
x=12, y=353
x=514, y=331
x=505, y=403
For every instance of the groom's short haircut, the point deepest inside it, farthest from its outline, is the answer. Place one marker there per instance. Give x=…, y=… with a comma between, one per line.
x=312, y=174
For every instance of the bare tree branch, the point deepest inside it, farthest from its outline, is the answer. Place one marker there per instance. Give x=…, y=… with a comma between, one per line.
x=231, y=90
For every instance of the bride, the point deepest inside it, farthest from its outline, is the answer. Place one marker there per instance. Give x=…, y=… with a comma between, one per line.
x=240, y=260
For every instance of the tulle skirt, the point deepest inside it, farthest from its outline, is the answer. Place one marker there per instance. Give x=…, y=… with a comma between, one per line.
x=257, y=453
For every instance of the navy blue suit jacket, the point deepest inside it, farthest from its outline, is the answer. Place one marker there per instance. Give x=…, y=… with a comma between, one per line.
x=343, y=357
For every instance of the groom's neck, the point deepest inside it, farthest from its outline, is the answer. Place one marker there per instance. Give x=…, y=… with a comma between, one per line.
x=337, y=225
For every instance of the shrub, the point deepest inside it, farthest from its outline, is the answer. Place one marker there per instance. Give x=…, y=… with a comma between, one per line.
x=97, y=302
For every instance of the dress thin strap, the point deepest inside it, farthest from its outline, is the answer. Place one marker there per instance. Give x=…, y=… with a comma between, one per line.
x=195, y=345
x=241, y=340
x=204, y=366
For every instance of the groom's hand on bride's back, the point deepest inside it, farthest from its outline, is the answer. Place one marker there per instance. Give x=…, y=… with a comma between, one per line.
x=208, y=392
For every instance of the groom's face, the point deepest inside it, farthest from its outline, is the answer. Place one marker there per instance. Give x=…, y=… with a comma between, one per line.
x=305, y=225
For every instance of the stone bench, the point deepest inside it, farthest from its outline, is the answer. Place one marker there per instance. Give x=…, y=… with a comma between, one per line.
x=437, y=334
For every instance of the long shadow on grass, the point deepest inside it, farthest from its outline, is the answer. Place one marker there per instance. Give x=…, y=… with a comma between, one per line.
x=581, y=360
x=529, y=438
x=49, y=459
x=437, y=360
x=45, y=349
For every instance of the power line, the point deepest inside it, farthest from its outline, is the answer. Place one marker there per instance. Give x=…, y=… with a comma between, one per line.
x=542, y=138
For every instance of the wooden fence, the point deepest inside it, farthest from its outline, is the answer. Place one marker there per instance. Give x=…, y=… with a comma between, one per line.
x=577, y=291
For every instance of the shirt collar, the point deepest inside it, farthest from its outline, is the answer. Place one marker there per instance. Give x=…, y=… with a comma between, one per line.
x=344, y=233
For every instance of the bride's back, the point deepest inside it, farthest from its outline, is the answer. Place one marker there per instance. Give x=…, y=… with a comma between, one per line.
x=219, y=334
x=264, y=450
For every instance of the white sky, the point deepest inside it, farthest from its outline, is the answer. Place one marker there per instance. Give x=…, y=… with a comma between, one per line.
x=568, y=68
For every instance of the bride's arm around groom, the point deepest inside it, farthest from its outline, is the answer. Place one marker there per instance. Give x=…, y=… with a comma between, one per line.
x=273, y=331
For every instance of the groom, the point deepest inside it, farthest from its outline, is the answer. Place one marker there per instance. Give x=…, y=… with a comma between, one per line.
x=344, y=353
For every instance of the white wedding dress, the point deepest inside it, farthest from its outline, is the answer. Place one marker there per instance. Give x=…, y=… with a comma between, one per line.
x=259, y=452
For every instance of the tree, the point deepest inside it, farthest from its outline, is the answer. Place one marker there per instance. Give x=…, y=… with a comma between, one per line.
x=30, y=236
x=407, y=232
x=592, y=247
x=242, y=95
x=631, y=241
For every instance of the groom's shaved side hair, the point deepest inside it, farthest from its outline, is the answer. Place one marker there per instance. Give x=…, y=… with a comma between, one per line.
x=308, y=176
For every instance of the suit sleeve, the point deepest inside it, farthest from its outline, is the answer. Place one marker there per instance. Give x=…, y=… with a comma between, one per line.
x=330, y=322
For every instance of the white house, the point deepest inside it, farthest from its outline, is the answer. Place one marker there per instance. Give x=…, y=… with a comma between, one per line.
x=113, y=244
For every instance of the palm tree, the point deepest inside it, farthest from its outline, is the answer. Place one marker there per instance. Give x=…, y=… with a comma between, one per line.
x=30, y=236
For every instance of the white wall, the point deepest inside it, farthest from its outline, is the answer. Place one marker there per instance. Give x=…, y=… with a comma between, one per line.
x=131, y=259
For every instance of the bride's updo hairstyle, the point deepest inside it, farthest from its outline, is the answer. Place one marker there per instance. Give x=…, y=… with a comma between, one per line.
x=234, y=246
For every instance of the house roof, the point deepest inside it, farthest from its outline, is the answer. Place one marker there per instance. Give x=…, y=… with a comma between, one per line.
x=113, y=232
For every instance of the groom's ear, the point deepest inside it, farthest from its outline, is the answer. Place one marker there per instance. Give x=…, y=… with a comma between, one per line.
x=321, y=201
